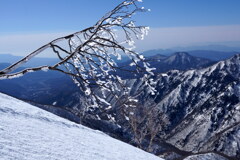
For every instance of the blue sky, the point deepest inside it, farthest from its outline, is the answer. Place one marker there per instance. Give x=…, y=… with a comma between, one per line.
x=42, y=20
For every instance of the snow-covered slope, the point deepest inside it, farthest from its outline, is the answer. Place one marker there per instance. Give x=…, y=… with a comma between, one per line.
x=27, y=132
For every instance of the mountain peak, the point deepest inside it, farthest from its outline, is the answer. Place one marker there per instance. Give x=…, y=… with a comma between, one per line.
x=183, y=58
x=236, y=56
x=181, y=54
x=235, y=60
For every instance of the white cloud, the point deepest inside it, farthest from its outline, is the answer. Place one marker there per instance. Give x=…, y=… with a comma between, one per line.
x=188, y=36
x=22, y=44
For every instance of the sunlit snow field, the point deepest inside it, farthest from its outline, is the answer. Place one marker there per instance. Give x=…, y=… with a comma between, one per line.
x=27, y=132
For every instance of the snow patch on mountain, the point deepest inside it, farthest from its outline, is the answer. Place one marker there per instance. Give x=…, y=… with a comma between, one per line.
x=208, y=156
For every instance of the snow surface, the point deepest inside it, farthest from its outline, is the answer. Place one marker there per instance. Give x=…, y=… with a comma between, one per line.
x=27, y=132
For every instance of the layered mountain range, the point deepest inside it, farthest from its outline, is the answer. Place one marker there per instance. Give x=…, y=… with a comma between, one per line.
x=179, y=61
x=197, y=98
x=202, y=107
x=49, y=87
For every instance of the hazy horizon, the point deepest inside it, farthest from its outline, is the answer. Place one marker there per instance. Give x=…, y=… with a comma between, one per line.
x=27, y=25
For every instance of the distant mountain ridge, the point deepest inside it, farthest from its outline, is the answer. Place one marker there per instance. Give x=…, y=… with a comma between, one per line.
x=212, y=47
x=48, y=87
x=8, y=58
x=214, y=55
x=179, y=60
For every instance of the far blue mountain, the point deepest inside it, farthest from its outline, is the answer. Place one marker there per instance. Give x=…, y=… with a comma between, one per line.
x=212, y=52
x=8, y=58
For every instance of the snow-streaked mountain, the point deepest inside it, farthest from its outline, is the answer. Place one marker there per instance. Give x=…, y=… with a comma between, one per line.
x=27, y=132
x=179, y=60
x=202, y=106
x=215, y=53
x=208, y=156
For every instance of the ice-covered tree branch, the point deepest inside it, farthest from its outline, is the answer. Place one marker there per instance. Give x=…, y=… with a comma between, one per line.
x=88, y=56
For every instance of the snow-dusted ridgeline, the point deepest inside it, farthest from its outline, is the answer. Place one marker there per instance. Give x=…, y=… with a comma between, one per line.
x=208, y=156
x=202, y=107
x=27, y=132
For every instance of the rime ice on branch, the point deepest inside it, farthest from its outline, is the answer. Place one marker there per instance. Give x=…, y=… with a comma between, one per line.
x=88, y=55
